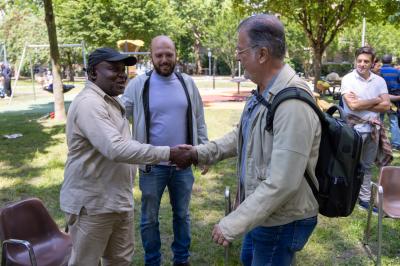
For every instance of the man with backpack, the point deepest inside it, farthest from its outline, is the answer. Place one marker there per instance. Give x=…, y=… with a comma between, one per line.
x=365, y=96
x=277, y=210
x=167, y=110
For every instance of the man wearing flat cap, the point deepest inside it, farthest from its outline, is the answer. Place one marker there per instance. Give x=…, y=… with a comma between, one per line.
x=96, y=194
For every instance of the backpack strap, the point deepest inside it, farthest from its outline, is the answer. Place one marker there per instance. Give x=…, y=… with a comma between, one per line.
x=287, y=94
x=146, y=105
x=189, y=119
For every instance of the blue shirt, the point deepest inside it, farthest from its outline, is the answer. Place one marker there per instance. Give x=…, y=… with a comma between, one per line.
x=168, y=107
x=249, y=112
x=392, y=78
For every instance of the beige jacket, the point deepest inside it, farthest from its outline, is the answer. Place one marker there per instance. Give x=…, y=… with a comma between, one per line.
x=98, y=172
x=276, y=191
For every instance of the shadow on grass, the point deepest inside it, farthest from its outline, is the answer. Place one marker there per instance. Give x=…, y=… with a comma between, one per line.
x=17, y=156
x=48, y=194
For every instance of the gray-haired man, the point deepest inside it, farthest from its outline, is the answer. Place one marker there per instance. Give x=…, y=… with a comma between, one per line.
x=277, y=211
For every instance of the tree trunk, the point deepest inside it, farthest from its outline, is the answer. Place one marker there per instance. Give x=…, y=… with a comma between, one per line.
x=70, y=69
x=317, y=55
x=59, y=108
x=197, y=56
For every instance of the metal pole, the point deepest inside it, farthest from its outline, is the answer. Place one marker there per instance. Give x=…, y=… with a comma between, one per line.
x=32, y=77
x=209, y=61
x=60, y=45
x=239, y=74
x=363, y=33
x=84, y=56
x=17, y=75
x=228, y=209
x=214, y=70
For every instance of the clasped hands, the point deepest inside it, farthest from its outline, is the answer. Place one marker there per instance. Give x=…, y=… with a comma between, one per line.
x=183, y=156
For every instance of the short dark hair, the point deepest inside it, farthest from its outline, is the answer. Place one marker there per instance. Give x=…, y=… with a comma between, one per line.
x=366, y=50
x=266, y=30
x=387, y=59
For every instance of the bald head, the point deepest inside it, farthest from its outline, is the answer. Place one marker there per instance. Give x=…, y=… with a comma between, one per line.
x=161, y=40
x=163, y=55
x=265, y=30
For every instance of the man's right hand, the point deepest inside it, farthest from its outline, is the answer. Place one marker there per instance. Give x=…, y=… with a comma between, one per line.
x=183, y=156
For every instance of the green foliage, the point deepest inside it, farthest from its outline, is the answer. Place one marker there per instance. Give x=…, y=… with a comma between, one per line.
x=221, y=35
x=340, y=68
x=23, y=24
x=103, y=23
x=195, y=16
x=383, y=37
x=321, y=20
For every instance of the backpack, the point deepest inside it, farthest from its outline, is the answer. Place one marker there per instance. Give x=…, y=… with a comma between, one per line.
x=338, y=168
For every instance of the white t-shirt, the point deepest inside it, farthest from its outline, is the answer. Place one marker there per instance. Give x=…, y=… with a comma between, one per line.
x=365, y=89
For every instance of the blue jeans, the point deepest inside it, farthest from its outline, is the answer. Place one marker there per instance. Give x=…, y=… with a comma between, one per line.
x=152, y=184
x=394, y=128
x=276, y=245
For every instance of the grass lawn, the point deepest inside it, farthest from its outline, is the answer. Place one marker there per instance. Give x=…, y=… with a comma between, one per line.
x=33, y=165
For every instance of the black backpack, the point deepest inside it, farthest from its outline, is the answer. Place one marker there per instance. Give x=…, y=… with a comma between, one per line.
x=338, y=168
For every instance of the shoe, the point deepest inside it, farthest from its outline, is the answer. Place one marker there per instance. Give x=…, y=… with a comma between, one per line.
x=182, y=263
x=365, y=206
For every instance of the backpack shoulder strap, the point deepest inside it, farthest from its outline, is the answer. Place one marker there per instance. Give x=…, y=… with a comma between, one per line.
x=283, y=95
x=146, y=107
x=287, y=94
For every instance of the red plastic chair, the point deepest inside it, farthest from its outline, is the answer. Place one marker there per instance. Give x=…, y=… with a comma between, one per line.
x=31, y=237
x=388, y=201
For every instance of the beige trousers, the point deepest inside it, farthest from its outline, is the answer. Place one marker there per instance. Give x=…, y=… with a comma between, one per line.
x=109, y=236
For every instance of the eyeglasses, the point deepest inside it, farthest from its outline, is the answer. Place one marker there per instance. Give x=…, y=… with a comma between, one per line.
x=238, y=52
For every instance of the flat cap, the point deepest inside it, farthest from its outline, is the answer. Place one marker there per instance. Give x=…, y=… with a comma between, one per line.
x=110, y=55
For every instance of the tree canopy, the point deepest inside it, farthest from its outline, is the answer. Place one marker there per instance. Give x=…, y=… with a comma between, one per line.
x=314, y=28
x=321, y=21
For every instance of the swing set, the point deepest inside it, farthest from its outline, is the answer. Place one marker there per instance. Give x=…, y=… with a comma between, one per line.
x=34, y=47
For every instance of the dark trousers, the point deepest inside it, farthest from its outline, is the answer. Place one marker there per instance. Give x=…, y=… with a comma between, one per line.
x=7, y=87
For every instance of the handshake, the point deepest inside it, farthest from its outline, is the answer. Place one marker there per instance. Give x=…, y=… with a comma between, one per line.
x=183, y=156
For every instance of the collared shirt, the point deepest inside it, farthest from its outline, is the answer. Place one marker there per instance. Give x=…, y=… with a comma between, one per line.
x=99, y=172
x=249, y=112
x=365, y=89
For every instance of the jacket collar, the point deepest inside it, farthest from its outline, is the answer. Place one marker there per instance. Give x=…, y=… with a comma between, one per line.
x=113, y=100
x=285, y=75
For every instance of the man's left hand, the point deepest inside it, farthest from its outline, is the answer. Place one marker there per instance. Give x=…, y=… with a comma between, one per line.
x=218, y=237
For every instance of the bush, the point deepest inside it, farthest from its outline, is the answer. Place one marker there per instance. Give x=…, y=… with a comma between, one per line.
x=340, y=68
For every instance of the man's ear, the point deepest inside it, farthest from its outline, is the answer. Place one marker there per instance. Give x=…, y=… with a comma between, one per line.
x=92, y=74
x=264, y=55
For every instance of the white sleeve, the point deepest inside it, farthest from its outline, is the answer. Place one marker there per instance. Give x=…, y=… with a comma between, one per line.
x=382, y=87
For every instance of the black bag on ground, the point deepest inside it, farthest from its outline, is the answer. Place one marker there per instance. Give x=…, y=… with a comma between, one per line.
x=338, y=168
